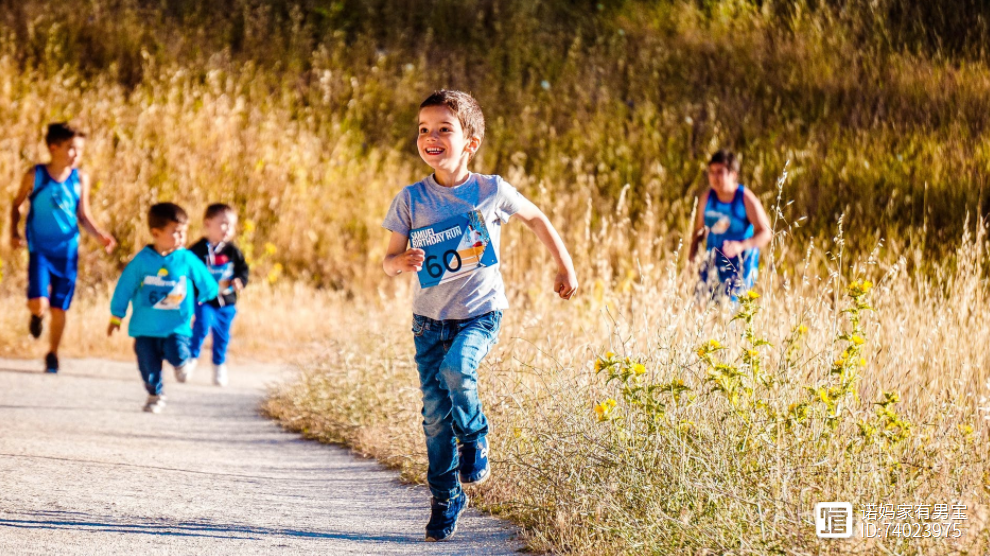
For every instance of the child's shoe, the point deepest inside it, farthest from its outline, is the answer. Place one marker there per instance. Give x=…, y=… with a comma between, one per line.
x=51, y=363
x=443, y=517
x=185, y=370
x=155, y=404
x=220, y=374
x=35, y=326
x=474, y=468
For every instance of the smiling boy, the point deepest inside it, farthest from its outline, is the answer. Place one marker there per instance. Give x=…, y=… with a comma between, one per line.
x=456, y=318
x=59, y=197
x=158, y=284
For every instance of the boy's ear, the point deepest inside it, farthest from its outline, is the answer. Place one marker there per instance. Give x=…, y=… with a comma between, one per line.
x=473, y=145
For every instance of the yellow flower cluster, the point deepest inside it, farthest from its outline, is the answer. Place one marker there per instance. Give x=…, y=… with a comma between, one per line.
x=859, y=288
x=604, y=409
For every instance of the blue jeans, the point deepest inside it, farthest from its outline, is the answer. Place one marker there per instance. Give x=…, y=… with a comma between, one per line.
x=150, y=353
x=448, y=353
x=218, y=320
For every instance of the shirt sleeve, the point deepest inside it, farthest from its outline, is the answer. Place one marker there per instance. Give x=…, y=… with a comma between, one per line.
x=207, y=287
x=509, y=200
x=241, y=268
x=399, y=217
x=127, y=286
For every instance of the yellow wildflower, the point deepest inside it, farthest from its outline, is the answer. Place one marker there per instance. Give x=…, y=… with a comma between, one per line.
x=802, y=329
x=753, y=353
x=857, y=340
x=609, y=355
x=751, y=294
x=713, y=344
x=639, y=368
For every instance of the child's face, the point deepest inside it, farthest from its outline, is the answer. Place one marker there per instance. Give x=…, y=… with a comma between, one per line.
x=171, y=237
x=221, y=228
x=721, y=178
x=441, y=142
x=67, y=154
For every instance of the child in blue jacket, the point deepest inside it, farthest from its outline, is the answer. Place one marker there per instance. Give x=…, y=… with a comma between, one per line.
x=157, y=284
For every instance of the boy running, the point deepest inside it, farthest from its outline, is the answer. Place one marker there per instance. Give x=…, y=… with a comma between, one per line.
x=456, y=318
x=226, y=263
x=158, y=283
x=59, y=196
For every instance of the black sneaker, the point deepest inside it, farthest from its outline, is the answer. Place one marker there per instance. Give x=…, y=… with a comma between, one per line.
x=443, y=517
x=35, y=326
x=474, y=468
x=51, y=363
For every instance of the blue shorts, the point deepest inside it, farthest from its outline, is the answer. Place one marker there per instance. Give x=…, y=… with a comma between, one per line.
x=53, y=278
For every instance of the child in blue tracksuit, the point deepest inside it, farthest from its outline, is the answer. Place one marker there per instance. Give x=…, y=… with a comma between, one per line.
x=59, y=197
x=732, y=221
x=159, y=283
x=227, y=264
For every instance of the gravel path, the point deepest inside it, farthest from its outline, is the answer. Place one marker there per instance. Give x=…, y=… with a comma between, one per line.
x=84, y=471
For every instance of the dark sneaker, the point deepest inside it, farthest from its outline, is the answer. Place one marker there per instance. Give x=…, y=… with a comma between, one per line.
x=474, y=468
x=35, y=326
x=51, y=363
x=443, y=517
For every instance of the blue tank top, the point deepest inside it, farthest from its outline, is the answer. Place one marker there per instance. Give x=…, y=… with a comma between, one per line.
x=729, y=222
x=52, y=226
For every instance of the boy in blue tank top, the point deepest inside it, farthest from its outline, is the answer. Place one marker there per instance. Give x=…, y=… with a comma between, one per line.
x=59, y=197
x=735, y=227
x=162, y=284
x=453, y=219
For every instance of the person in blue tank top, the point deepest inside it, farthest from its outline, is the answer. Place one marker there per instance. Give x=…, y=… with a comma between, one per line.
x=732, y=221
x=59, y=197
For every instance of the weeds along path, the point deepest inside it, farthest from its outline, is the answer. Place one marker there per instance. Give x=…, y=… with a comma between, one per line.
x=84, y=471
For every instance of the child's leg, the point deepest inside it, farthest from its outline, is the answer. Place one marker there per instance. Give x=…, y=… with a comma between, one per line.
x=63, y=288
x=201, y=327
x=149, y=355
x=441, y=448
x=459, y=372
x=223, y=319
x=176, y=350
x=39, y=282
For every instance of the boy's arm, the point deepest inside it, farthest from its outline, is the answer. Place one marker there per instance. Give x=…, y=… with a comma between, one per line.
x=398, y=259
x=206, y=285
x=126, y=288
x=565, y=284
x=27, y=185
x=762, y=234
x=86, y=219
x=698, y=233
x=241, y=268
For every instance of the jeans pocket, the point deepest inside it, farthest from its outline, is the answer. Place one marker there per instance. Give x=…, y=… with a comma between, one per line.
x=492, y=322
x=418, y=326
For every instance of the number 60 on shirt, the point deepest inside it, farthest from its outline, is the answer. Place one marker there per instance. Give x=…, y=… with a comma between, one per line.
x=454, y=248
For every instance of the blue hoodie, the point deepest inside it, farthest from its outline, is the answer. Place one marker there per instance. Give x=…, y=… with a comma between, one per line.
x=158, y=288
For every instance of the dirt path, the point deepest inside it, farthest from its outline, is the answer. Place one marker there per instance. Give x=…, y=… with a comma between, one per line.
x=84, y=471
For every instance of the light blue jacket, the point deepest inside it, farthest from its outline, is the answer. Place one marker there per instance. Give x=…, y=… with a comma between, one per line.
x=161, y=291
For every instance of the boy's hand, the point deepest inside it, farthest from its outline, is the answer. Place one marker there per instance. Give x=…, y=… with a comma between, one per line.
x=16, y=242
x=410, y=261
x=732, y=248
x=565, y=284
x=237, y=284
x=108, y=242
x=113, y=326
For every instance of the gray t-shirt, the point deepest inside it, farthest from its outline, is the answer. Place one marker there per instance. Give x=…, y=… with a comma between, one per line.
x=426, y=203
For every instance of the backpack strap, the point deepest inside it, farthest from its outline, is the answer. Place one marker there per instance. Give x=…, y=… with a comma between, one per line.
x=41, y=181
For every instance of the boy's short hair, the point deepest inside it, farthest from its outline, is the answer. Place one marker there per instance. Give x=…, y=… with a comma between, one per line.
x=726, y=157
x=467, y=109
x=61, y=132
x=216, y=209
x=163, y=214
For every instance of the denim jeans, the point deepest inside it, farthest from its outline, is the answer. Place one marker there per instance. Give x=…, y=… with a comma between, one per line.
x=448, y=354
x=215, y=319
x=150, y=353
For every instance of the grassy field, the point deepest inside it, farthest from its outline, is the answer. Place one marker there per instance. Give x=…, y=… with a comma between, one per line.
x=301, y=114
